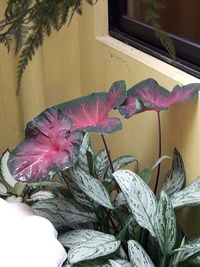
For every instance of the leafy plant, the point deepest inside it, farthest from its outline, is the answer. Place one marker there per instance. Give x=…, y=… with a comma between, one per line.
x=106, y=215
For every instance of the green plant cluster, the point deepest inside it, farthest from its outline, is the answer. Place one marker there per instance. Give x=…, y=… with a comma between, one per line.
x=112, y=219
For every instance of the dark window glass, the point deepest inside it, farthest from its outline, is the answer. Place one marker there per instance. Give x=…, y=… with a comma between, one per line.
x=180, y=19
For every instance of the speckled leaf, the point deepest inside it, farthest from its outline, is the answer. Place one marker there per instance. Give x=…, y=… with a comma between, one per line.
x=119, y=263
x=188, y=250
x=139, y=197
x=5, y=173
x=92, y=187
x=138, y=256
x=189, y=196
x=165, y=224
x=63, y=213
x=100, y=262
x=196, y=258
x=101, y=163
x=95, y=247
x=175, y=178
x=118, y=164
x=74, y=237
x=84, y=149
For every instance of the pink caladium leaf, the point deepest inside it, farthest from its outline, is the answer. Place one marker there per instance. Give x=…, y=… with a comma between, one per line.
x=149, y=95
x=49, y=146
x=90, y=113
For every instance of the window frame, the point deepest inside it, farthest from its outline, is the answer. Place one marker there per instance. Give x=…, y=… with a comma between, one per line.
x=133, y=32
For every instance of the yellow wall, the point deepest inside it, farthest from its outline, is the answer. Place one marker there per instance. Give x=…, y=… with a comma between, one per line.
x=81, y=59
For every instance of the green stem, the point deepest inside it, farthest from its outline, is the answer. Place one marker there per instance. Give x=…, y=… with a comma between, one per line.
x=163, y=260
x=159, y=151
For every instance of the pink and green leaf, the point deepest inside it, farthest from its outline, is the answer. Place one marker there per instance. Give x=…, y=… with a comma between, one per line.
x=49, y=147
x=149, y=95
x=90, y=113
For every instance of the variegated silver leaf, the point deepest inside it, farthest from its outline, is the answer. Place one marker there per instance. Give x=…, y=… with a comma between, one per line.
x=119, y=263
x=165, y=224
x=187, y=251
x=82, y=157
x=96, y=247
x=189, y=196
x=74, y=237
x=92, y=187
x=61, y=213
x=101, y=163
x=138, y=256
x=140, y=198
x=175, y=178
x=117, y=164
x=119, y=200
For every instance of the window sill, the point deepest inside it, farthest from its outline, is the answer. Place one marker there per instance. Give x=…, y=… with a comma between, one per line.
x=179, y=76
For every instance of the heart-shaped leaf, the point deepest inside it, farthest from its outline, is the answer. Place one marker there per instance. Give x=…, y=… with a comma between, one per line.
x=189, y=196
x=98, y=246
x=138, y=256
x=165, y=224
x=149, y=95
x=49, y=147
x=90, y=113
x=91, y=187
x=61, y=212
x=139, y=196
x=175, y=178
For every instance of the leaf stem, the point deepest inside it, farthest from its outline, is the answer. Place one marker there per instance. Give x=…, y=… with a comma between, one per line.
x=159, y=151
x=108, y=153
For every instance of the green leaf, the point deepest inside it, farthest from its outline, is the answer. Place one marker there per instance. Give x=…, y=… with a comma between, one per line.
x=61, y=213
x=189, y=196
x=15, y=199
x=146, y=174
x=19, y=188
x=98, y=246
x=119, y=263
x=91, y=187
x=138, y=256
x=122, y=233
x=175, y=178
x=165, y=224
x=40, y=195
x=118, y=164
x=3, y=189
x=139, y=197
x=101, y=163
x=5, y=173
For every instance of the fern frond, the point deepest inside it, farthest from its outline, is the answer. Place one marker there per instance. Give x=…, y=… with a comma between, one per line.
x=29, y=21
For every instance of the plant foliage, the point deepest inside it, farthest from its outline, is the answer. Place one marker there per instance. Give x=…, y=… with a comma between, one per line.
x=106, y=215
